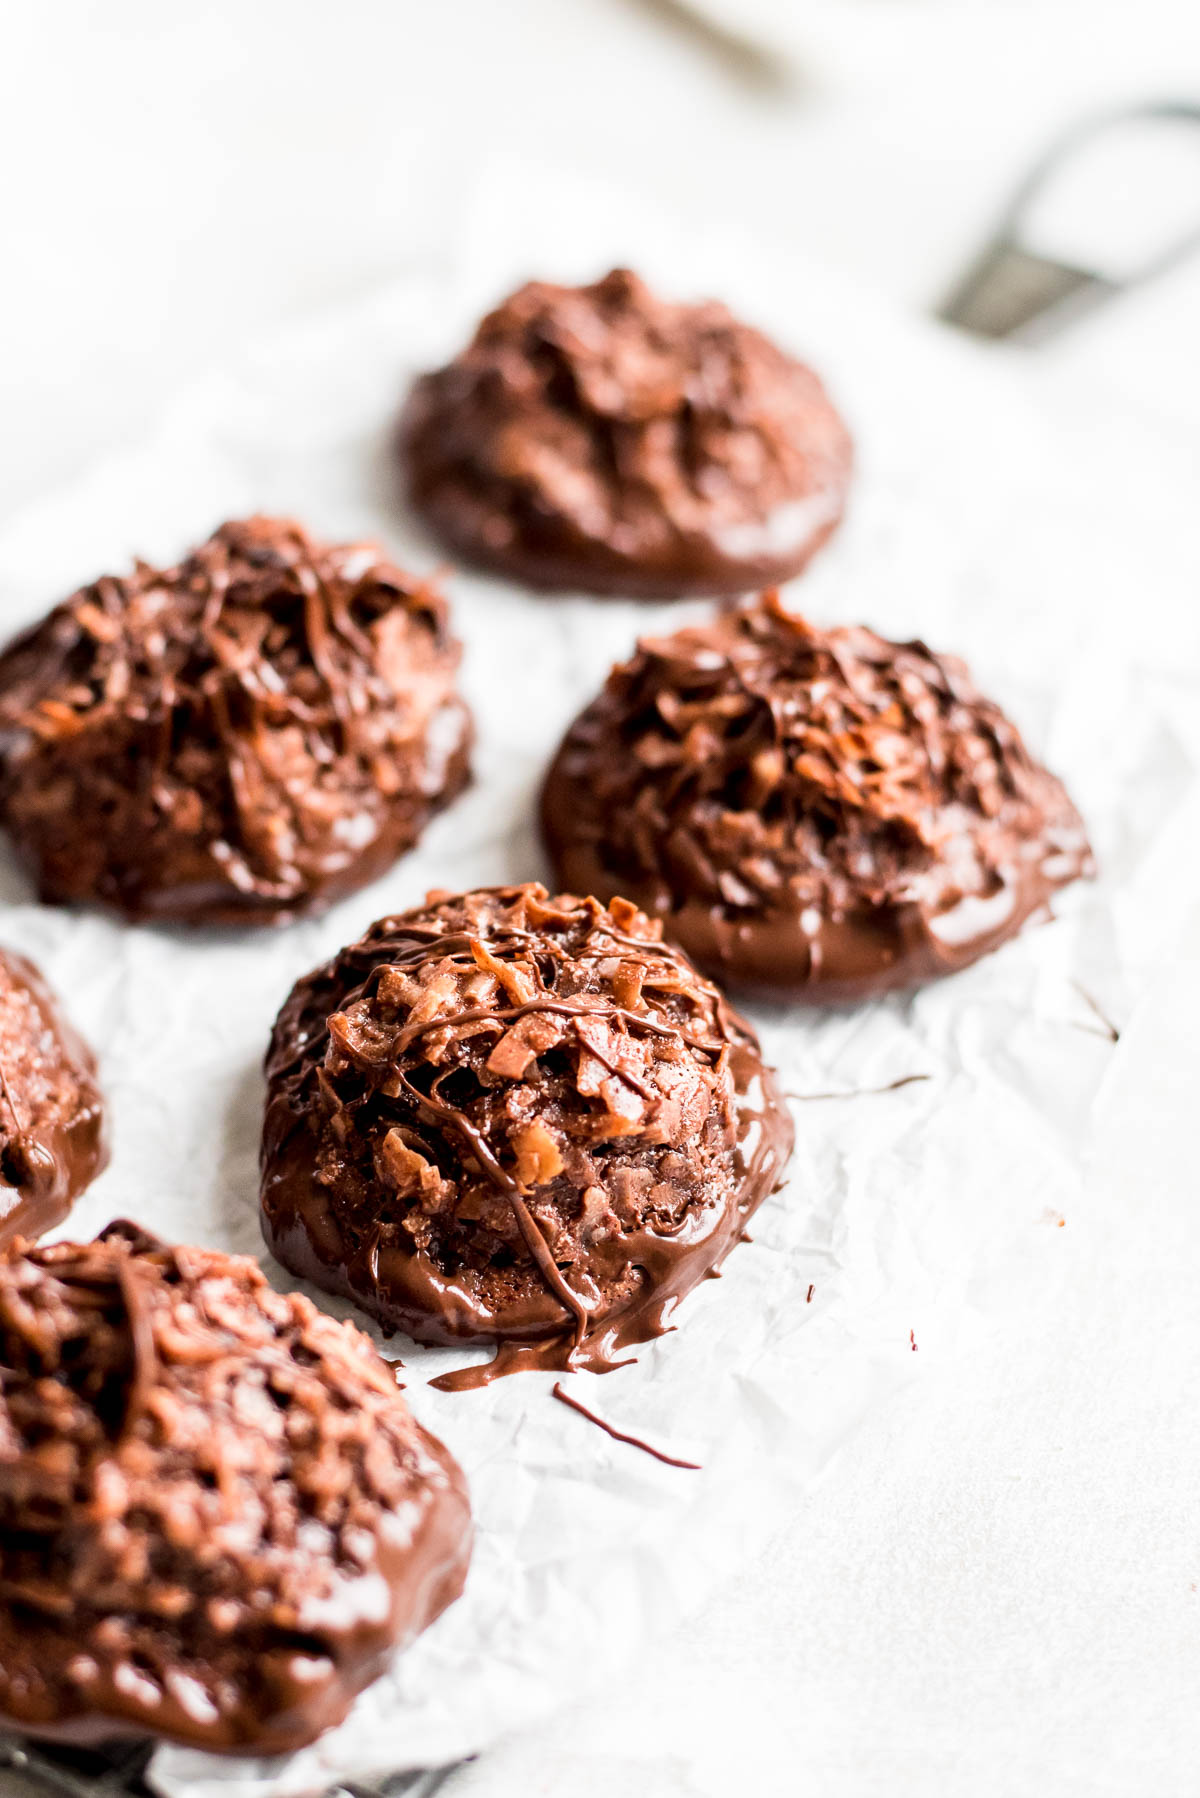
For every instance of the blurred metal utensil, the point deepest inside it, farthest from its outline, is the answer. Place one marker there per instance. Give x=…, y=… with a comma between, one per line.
x=1018, y=289
x=738, y=50
x=78, y=1772
x=119, y=1771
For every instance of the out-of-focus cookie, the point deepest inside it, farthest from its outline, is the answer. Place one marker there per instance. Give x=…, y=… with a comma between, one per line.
x=600, y=438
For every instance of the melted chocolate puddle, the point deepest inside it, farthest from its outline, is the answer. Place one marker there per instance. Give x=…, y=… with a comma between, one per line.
x=553, y=1354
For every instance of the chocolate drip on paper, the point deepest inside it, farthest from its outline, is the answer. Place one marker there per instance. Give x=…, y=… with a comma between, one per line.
x=647, y=1448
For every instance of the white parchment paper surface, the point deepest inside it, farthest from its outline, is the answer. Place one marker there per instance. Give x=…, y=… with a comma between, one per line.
x=1033, y=531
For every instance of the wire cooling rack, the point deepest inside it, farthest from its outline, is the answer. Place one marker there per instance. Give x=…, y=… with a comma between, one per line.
x=120, y=1772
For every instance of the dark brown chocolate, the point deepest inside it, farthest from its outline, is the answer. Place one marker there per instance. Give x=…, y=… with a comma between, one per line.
x=52, y=1136
x=610, y=1429
x=602, y=439
x=816, y=815
x=236, y=740
x=510, y=1118
x=218, y=1517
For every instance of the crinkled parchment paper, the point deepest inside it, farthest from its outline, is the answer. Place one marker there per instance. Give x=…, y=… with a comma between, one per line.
x=1028, y=529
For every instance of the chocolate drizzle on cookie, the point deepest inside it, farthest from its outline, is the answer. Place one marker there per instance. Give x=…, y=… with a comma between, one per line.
x=218, y=1517
x=52, y=1136
x=812, y=814
x=603, y=439
x=514, y=1119
x=239, y=739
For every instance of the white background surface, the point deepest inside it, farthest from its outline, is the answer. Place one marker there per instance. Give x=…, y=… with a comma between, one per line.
x=1012, y=1607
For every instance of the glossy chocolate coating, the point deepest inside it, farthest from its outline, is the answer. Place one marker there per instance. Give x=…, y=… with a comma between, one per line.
x=510, y=1118
x=814, y=815
x=218, y=1517
x=602, y=439
x=236, y=740
x=52, y=1135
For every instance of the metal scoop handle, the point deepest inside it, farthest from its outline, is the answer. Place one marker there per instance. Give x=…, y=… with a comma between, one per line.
x=1012, y=290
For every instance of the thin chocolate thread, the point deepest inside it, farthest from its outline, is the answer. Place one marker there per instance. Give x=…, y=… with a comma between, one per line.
x=1110, y=1029
x=12, y=1104
x=862, y=1092
x=510, y=1014
x=448, y=945
x=556, y=1391
x=141, y=1340
x=531, y=1234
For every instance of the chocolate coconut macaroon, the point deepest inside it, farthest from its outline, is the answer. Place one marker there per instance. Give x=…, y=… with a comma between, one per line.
x=218, y=1518
x=244, y=737
x=814, y=815
x=602, y=439
x=52, y=1135
x=515, y=1119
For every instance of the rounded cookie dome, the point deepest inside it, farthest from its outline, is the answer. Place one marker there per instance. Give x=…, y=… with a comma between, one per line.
x=506, y=1117
x=603, y=439
x=218, y=1517
x=239, y=739
x=817, y=815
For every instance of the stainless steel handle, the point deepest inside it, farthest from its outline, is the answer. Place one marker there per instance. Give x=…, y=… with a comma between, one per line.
x=1014, y=290
x=119, y=1771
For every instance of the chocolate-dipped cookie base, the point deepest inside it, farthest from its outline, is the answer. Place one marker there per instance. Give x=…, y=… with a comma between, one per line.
x=218, y=1517
x=236, y=740
x=52, y=1135
x=509, y=1118
x=814, y=815
x=601, y=439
